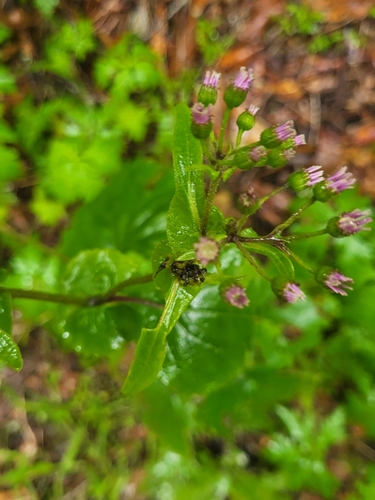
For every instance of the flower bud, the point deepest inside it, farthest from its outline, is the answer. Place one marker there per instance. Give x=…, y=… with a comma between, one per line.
x=335, y=184
x=333, y=280
x=306, y=178
x=236, y=92
x=246, y=120
x=206, y=250
x=207, y=94
x=349, y=223
x=236, y=296
x=277, y=158
x=274, y=136
x=287, y=290
x=201, y=125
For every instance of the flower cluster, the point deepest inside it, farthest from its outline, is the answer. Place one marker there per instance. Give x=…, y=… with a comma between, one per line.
x=275, y=148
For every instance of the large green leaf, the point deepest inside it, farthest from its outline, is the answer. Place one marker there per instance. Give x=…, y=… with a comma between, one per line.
x=9, y=351
x=95, y=272
x=129, y=214
x=151, y=349
x=183, y=220
x=209, y=343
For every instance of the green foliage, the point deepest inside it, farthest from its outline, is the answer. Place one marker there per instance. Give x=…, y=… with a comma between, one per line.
x=87, y=170
x=211, y=42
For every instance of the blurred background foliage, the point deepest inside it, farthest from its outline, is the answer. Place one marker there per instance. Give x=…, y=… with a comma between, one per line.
x=272, y=402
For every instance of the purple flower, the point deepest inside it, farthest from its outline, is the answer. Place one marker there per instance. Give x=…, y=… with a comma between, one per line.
x=314, y=175
x=253, y=110
x=288, y=154
x=200, y=114
x=340, y=181
x=352, y=222
x=292, y=293
x=285, y=131
x=299, y=140
x=258, y=153
x=337, y=282
x=236, y=296
x=211, y=79
x=243, y=79
x=206, y=250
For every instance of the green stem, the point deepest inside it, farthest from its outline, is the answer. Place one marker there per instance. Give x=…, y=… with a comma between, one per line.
x=223, y=127
x=252, y=260
x=300, y=261
x=303, y=236
x=280, y=228
x=45, y=296
x=239, y=137
x=213, y=187
x=206, y=151
x=138, y=280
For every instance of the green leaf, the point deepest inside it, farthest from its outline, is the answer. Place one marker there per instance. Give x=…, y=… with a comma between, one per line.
x=93, y=331
x=167, y=415
x=7, y=81
x=282, y=263
x=151, y=348
x=208, y=345
x=10, y=164
x=6, y=312
x=46, y=7
x=95, y=272
x=183, y=219
x=9, y=351
x=129, y=214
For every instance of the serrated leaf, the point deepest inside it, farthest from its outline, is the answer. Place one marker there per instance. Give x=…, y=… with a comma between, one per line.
x=151, y=349
x=183, y=219
x=9, y=351
x=282, y=263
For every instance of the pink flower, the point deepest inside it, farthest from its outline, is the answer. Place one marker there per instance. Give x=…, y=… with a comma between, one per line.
x=292, y=293
x=336, y=282
x=340, y=181
x=211, y=79
x=200, y=114
x=206, y=250
x=353, y=222
x=243, y=79
x=236, y=296
x=285, y=131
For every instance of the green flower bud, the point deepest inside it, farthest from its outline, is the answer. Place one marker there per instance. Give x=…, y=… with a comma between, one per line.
x=322, y=192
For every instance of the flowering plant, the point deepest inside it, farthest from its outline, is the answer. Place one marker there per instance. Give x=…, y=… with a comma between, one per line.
x=208, y=267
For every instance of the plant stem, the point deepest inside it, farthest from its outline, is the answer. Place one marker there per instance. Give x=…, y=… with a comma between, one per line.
x=206, y=151
x=251, y=260
x=138, y=280
x=223, y=127
x=239, y=137
x=300, y=261
x=303, y=236
x=45, y=296
x=280, y=228
x=85, y=301
x=213, y=187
